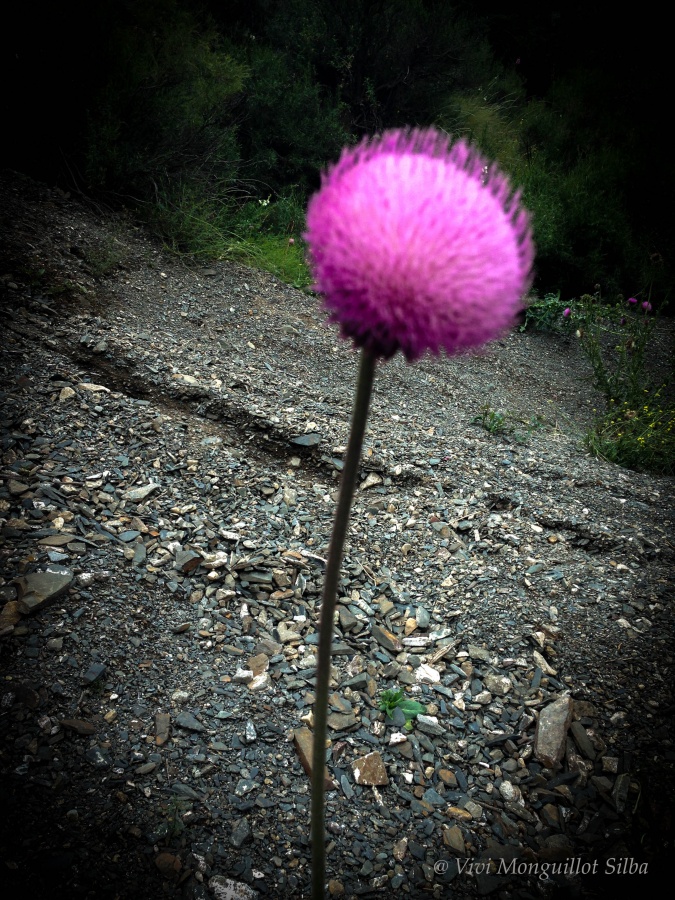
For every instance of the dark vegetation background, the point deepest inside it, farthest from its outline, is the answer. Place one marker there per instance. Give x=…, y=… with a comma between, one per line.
x=212, y=120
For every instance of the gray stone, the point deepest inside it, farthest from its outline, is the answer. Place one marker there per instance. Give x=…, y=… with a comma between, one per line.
x=551, y=733
x=39, y=588
x=186, y=720
x=240, y=833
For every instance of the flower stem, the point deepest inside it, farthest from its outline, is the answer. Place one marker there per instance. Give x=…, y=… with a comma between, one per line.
x=364, y=388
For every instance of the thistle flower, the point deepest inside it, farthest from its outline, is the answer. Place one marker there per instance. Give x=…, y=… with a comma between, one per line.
x=632, y=300
x=567, y=312
x=417, y=244
x=647, y=306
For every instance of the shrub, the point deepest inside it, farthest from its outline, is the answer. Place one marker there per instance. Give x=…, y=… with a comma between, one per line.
x=636, y=429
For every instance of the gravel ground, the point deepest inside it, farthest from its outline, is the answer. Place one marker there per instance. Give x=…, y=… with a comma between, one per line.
x=172, y=439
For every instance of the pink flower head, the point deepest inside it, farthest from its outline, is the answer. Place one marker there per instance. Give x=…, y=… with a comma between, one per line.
x=632, y=300
x=416, y=244
x=647, y=306
x=291, y=241
x=567, y=313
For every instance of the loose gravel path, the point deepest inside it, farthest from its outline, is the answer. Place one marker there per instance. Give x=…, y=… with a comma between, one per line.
x=172, y=440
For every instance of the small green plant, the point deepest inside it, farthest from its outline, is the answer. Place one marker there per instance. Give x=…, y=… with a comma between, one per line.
x=173, y=825
x=492, y=420
x=536, y=423
x=391, y=700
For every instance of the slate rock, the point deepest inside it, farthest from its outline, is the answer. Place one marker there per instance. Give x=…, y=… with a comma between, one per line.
x=39, y=588
x=189, y=722
x=549, y=741
x=370, y=769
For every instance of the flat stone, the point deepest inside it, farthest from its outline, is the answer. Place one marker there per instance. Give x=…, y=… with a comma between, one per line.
x=10, y=616
x=187, y=561
x=426, y=674
x=162, y=726
x=241, y=833
x=16, y=488
x=341, y=721
x=479, y=653
x=551, y=733
x=582, y=740
x=448, y=777
x=94, y=672
x=55, y=540
x=303, y=740
x=224, y=888
x=260, y=682
x=453, y=838
x=39, y=588
x=370, y=769
x=288, y=635
x=386, y=639
x=140, y=493
x=543, y=665
x=429, y=725
x=79, y=726
x=499, y=685
x=307, y=440
x=189, y=722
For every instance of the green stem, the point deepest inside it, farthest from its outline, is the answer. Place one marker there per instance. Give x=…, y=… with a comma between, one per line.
x=364, y=388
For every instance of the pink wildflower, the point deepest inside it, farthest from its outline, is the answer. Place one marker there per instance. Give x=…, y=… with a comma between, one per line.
x=632, y=300
x=291, y=241
x=647, y=306
x=567, y=313
x=417, y=245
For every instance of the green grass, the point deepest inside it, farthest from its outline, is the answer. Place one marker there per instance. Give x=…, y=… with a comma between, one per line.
x=264, y=234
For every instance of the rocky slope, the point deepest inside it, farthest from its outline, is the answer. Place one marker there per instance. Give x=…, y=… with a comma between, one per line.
x=172, y=442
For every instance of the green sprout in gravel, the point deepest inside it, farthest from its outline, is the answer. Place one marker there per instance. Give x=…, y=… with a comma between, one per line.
x=391, y=700
x=416, y=244
x=492, y=420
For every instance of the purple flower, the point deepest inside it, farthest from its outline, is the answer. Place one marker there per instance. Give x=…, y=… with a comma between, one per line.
x=647, y=306
x=416, y=244
x=632, y=300
x=567, y=313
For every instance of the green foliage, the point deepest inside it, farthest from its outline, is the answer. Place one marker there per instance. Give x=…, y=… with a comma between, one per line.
x=641, y=438
x=391, y=700
x=166, y=106
x=492, y=420
x=616, y=340
x=573, y=177
x=172, y=826
x=290, y=126
x=196, y=119
x=545, y=314
x=636, y=429
x=497, y=422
